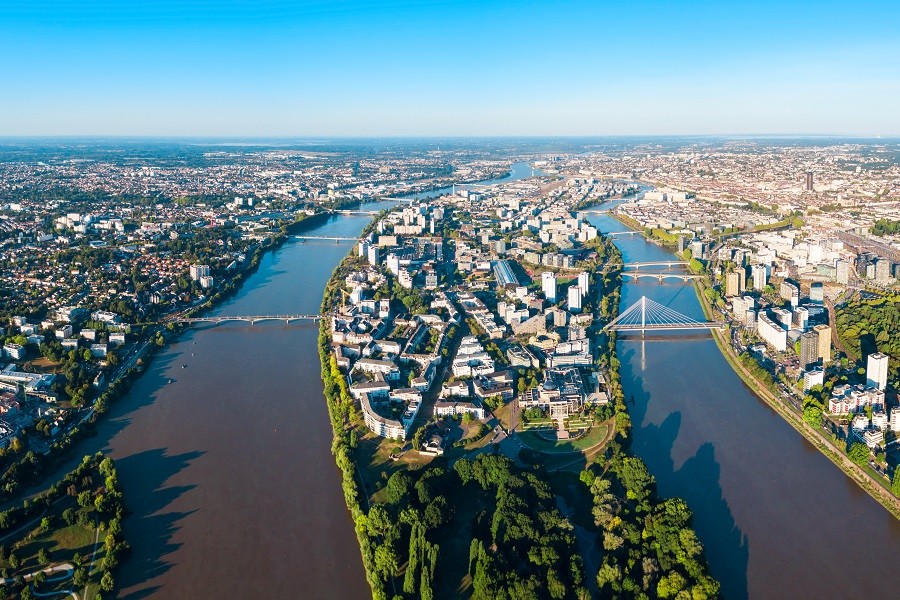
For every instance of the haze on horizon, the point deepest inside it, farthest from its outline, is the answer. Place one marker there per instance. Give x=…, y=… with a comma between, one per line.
x=436, y=68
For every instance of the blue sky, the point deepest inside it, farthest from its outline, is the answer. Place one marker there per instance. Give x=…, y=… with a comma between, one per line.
x=348, y=68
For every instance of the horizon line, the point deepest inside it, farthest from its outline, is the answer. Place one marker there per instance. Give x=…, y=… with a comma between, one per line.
x=438, y=136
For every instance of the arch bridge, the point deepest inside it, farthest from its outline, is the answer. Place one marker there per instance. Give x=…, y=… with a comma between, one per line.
x=635, y=275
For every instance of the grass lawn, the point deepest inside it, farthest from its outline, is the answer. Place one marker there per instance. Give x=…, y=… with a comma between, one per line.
x=373, y=458
x=61, y=543
x=536, y=442
x=504, y=414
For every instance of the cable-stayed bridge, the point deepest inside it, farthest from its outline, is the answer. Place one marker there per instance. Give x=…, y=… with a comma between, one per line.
x=649, y=315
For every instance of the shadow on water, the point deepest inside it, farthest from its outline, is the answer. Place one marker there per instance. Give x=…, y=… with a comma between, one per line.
x=697, y=481
x=144, y=475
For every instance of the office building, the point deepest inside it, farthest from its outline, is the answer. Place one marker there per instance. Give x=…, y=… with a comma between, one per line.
x=548, y=285
x=877, y=371
x=809, y=181
x=809, y=349
x=824, y=333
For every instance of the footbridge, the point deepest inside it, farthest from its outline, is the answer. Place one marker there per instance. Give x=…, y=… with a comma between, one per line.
x=649, y=315
x=249, y=319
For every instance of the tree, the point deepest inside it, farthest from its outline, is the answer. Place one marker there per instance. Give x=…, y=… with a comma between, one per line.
x=895, y=484
x=859, y=454
x=14, y=561
x=398, y=487
x=80, y=578
x=107, y=583
x=43, y=557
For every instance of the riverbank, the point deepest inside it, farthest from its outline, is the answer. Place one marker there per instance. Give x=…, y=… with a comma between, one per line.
x=866, y=481
x=869, y=483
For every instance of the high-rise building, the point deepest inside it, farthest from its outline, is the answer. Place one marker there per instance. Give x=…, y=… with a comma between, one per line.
x=809, y=349
x=809, y=181
x=790, y=291
x=393, y=263
x=842, y=272
x=817, y=293
x=732, y=284
x=198, y=271
x=374, y=255
x=877, y=371
x=824, y=333
x=771, y=332
x=584, y=282
x=882, y=270
x=574, y=299
x=548, y=285
x=760, y=277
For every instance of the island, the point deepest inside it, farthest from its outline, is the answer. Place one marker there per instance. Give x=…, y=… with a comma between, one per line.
x=479, y=421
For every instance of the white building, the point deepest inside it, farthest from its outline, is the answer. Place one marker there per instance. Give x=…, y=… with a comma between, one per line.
x=772, y=333
x=877, y=371
x=760, y=277
x=813, y=378
x=584, y=282
x=574, y=298
x=548, y=285
x=198, y=271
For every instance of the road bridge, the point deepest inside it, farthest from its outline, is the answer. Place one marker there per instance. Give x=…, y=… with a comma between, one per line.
x=635, y=275
x=661, y=263
x=304, y=238
x=370, y=213
x=249, y=319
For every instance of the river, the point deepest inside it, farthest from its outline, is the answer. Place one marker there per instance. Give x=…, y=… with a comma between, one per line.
x=777, y=518
x=227, y=471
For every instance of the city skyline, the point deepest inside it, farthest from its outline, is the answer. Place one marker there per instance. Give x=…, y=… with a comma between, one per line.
x=434, y=69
